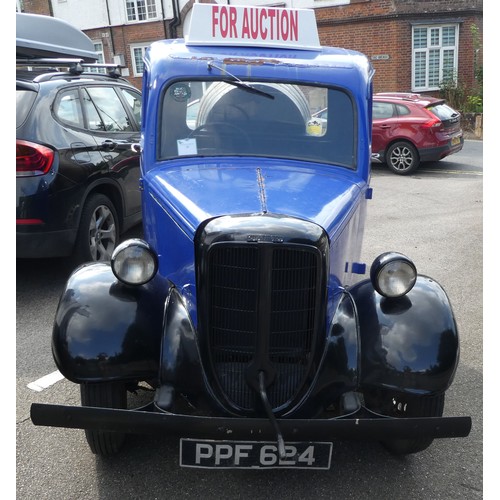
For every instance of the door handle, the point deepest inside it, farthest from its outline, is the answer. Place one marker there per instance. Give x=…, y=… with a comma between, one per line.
x=108, y=145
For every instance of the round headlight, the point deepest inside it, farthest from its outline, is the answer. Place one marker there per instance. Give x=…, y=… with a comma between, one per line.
x=134, y=262
x=393, y=274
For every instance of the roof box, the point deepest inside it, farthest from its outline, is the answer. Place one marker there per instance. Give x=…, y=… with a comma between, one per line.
x=44, y=36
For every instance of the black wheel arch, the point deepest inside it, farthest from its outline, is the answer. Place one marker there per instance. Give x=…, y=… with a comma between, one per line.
x=112, y=190
x=422, y=321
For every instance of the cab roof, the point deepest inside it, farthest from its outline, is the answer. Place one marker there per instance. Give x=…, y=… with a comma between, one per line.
x=256, y=42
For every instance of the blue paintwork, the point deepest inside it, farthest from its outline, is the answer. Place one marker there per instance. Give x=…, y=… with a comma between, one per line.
x=199, y=191
x=331, y=66
x=181, y=194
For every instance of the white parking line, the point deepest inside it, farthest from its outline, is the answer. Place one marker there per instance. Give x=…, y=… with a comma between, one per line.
x=45, y=382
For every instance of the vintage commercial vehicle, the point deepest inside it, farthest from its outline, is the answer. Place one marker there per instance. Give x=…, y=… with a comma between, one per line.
x=245, y=308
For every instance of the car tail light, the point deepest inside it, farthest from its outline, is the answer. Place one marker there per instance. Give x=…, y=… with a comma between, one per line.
x=434, y=121
x=32, y=159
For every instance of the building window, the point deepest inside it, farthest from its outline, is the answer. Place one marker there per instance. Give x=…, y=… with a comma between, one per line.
x=99, y=50
x=138, y=58
x=141, y=10
x=435, y=56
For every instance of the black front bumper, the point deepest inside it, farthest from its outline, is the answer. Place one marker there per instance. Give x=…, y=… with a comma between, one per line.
x=150, y=420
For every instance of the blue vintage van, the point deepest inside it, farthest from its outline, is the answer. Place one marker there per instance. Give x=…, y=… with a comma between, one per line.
x=245, y=308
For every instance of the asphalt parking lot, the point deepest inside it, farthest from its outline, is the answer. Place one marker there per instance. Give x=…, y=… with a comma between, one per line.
x=436, y=218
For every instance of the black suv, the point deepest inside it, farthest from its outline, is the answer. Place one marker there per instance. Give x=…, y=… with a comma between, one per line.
x=77, y=171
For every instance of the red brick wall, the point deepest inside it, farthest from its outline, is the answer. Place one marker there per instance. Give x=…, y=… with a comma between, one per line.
x=374, y=27
x=390, y=39
x=41, y=7
x=383, y=27
x=126, y=35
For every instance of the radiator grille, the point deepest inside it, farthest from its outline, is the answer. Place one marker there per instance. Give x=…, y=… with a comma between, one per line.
x=239, y=276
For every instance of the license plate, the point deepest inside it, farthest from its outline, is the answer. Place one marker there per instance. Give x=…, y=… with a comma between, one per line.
x=209, y=454
x=455, y=141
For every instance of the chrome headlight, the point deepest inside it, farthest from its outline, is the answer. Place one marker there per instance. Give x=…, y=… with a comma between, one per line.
x=393, y=274
x=134, y=262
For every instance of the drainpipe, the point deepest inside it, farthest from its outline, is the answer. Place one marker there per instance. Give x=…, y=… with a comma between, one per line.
x=110, y=31
x=176, y=21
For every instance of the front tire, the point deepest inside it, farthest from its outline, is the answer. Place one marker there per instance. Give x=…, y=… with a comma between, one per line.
x=405, y=406
x=104, y=395
x=99, y=230
x=402, y=158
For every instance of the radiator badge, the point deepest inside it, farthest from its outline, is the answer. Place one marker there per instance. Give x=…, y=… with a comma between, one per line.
x=271, y=238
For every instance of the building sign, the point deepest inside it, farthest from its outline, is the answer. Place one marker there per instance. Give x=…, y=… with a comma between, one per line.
x=380, y=57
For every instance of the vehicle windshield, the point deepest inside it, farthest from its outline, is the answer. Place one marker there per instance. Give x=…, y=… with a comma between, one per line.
x=274, y=120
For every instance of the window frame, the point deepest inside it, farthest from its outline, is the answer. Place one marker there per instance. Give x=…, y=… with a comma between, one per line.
x=100, y=57
x=432, y=46
x=81, y=123
x=142, y=47
x=106, y=118
x=167, y=138
x=135, y=18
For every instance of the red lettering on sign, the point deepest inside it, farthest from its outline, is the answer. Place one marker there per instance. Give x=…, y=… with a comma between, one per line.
x=263, y=30
x=245, y=29
x=233, y=32
x=254, y=24
x=224, y=22
x=294, y=26
x=215, y=20
x=271, y=14
x=263, y=24
x=284, y=25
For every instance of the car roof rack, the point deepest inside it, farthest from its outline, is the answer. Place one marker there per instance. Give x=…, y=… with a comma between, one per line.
x=76, y=66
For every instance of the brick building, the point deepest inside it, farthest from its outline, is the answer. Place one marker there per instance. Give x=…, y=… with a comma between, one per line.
x=414, y=45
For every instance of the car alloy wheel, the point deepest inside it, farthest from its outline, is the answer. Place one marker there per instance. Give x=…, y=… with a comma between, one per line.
x=402, y=158
x=99, y=230
x=102, y=234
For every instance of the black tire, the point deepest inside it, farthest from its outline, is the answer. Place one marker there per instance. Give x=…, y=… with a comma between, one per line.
x=104, y=395
x=99, y=230
x=402, y=158
x=401, y=406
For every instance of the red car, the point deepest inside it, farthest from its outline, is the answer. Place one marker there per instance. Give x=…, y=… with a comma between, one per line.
x=412, y=128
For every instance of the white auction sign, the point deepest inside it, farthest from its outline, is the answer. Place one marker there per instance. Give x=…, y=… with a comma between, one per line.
x=213, y=24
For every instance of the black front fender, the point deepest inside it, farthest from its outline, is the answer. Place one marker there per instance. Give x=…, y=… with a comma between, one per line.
x=409, y=344
x=105, y=330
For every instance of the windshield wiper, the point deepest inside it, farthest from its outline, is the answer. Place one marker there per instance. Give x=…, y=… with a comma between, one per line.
x=240, y=83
